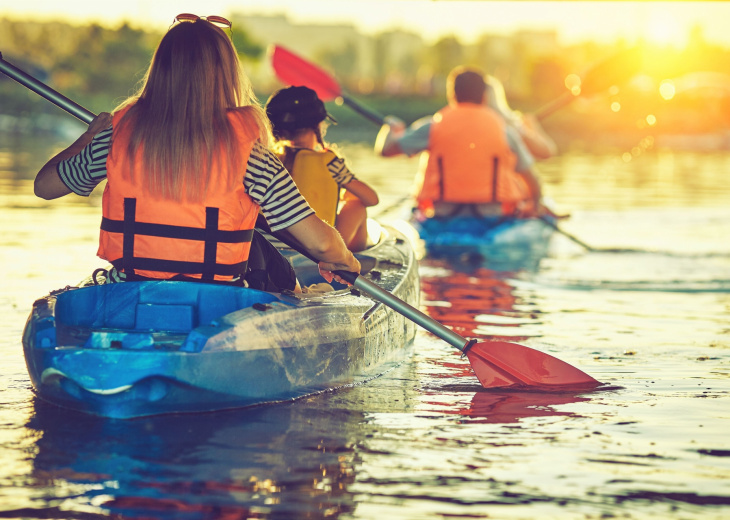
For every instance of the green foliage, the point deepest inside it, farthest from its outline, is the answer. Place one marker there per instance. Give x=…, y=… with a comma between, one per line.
x=96, y=66
x=246, y=46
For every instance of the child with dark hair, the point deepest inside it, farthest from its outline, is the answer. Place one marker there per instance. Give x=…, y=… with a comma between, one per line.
x=298, y=122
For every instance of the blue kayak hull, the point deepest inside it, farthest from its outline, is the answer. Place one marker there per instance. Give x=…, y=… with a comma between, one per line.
x=485, y=235
x=145, y=348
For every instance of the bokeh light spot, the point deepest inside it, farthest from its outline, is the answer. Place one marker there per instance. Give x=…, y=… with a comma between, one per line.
x=667, y=89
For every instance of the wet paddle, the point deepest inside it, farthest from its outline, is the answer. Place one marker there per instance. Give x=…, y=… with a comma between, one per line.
x=497, y=364
x=578, y=241
x=296, y=71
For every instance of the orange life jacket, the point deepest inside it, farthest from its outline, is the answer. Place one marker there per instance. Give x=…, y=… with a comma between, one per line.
x=150, y=237
x=469, y=160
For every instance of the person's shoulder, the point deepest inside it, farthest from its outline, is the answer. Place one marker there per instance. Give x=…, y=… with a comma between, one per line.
x=331, y=154
x=423, y=122
x=248, y=119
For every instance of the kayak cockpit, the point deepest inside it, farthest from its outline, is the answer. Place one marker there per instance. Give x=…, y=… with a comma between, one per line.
x=143, y=315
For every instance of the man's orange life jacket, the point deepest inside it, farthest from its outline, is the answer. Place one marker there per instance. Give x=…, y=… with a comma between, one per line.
x=469, y=160
x=145, y=236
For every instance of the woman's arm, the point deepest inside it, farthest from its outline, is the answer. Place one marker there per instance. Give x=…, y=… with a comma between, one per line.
x=324, y=243
x=539, y=143
x=48, y=184
x=386, y=143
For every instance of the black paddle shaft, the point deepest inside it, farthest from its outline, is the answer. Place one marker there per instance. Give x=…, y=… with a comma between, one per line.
x=45, y=91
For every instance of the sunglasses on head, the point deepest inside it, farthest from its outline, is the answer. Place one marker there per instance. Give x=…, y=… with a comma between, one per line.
x=215, y=20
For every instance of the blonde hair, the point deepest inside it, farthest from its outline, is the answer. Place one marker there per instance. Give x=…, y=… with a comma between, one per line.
x=179, y=115
x=497, y=100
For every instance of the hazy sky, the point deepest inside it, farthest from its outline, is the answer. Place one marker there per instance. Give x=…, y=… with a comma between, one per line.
x=575, y=20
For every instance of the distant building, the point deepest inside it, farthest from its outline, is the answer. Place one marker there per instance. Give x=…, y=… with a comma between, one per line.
x=326, y=45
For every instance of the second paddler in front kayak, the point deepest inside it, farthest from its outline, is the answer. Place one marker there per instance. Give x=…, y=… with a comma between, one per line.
x=473, y=162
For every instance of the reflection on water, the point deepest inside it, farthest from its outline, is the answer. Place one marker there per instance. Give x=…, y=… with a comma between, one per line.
x=509, y=407
x=425, y=441
x=271, y=461
x=479, y=303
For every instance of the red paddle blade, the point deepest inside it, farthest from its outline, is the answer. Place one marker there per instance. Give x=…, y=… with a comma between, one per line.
x=297, y=72
x=499, y=364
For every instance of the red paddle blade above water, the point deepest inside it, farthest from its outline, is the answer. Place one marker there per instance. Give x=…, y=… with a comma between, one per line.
x=296, y=71
x=498, y=364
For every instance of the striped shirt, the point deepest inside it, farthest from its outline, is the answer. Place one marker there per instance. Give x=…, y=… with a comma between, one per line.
x=340, y=172
x=266, y=181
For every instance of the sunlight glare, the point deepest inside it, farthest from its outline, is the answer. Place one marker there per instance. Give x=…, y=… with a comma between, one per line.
x=667, y=89
x=572, y=83
x=665, y=29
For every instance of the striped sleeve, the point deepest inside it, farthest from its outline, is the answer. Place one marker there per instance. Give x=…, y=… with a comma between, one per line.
x=271, y=186
x=339, y=171
x=85, y=170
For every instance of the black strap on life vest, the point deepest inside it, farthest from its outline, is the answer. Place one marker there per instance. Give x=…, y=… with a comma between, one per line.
x=495, y=178
x=440, y=166
x=472, y=208
x=210, y=235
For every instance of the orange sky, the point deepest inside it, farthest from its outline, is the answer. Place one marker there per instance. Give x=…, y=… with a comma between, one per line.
x=664, y=22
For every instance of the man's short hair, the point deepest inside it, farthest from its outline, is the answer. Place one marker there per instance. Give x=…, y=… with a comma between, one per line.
x=466, y=85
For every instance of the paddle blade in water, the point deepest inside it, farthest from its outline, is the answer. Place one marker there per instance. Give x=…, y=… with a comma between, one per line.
x=296, y=71
x=499, y=364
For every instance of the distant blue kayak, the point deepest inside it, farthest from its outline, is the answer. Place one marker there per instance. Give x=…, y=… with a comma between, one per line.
x=486, y=235
x=144, y=348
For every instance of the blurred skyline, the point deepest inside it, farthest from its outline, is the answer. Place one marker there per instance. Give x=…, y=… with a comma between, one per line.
x=667, y=23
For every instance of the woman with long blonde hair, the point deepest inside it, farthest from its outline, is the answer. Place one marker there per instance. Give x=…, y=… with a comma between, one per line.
x=188, y=170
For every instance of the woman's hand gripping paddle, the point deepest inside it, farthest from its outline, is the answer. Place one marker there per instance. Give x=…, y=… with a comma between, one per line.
x=296, y=71
x=497, y=364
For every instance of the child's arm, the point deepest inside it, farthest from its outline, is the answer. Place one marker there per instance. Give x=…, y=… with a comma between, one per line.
x=362, y=191
x=346, y=180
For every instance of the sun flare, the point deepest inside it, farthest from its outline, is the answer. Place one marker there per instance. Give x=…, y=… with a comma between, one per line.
x=665, y=29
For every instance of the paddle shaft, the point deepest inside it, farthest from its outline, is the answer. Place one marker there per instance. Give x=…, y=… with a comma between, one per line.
x=553, y=225
x=45, y=91
x=401, y=307
x=378, y=293
x=553, y=106
x=598, y=78
x=363, y=111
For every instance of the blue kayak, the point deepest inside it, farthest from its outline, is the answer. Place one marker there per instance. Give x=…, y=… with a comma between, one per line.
x=488, y=236
x=135, y=349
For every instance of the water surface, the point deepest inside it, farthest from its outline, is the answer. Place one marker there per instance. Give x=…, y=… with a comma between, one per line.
x=425, y=441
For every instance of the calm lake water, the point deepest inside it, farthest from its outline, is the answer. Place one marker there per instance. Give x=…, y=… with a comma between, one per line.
x=425, y=441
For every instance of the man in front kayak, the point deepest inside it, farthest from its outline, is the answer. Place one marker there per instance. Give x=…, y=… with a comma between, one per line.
x=470, y=159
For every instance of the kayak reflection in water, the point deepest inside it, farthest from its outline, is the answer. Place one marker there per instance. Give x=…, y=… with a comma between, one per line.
x=188, y=170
